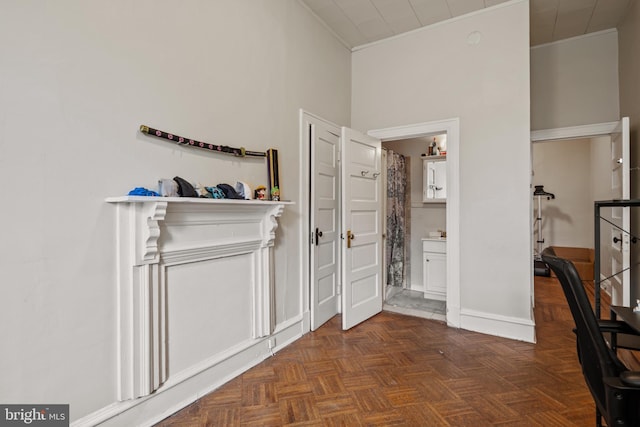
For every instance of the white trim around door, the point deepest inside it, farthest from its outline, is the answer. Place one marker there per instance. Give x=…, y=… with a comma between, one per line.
x=452, y=128
x=574, y=132
x=304, y=196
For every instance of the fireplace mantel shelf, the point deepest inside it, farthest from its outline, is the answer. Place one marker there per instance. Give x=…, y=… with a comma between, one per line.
x=204, y=200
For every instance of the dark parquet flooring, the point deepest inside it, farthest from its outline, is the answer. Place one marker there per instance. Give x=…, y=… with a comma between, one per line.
x=396, y=370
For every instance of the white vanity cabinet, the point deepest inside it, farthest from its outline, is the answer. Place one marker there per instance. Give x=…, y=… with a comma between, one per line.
x=434, y=268
x=434, y=179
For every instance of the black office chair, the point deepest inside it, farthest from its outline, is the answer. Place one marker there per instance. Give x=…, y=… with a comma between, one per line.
x=615, y=389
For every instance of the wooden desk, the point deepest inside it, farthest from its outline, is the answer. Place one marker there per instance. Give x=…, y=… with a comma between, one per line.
x=627, y=315
x=627, y=341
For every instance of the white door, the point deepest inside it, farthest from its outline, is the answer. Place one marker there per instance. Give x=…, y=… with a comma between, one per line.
x=361, y=227
x=324, y=224
x=618, y=236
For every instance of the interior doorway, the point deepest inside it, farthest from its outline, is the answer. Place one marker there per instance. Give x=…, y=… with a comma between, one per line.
x=411, y=218
x=451, y=262
x=605, y=146
x=567, y=219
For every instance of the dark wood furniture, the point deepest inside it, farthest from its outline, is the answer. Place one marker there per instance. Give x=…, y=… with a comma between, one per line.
x=627, y=315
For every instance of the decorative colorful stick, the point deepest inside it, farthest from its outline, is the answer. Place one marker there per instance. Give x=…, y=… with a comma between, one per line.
x=238, y=152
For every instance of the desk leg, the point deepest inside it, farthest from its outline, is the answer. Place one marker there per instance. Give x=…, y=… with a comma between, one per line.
x=614, y=336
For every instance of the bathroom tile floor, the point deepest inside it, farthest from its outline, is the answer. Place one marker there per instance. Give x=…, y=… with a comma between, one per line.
x=413, y=303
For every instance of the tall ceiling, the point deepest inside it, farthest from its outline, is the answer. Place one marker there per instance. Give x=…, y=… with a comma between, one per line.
x=357, y=22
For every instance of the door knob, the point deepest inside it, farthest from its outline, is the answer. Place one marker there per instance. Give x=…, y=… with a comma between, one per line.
x=616, y=239
x=318, y=235
x=350, y=237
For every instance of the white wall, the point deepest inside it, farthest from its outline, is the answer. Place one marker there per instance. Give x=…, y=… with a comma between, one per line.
x=435, y=74
x=577, y=172
x=629, y=66
x=76, y=81
x=575, y=81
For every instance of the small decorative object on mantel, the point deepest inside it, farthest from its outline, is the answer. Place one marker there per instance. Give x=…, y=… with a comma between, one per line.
x=243, y=189
x=274, y=176
x=229, y=191
x=275, y=194
x=141, y=191
x=168, y=188
x=214, y=193
x=261, y=192
x=185, y=189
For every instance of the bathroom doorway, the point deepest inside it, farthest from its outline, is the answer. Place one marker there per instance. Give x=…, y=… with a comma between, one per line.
x=411, y=217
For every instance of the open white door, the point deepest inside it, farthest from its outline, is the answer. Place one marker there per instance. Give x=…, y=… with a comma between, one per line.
x=618, y=235
x=324, y=223
x=361, y=227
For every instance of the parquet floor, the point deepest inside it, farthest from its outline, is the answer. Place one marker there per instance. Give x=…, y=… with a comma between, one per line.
x=396, y=370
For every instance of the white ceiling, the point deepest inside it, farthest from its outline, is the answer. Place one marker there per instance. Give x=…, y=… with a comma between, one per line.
x=358, y=22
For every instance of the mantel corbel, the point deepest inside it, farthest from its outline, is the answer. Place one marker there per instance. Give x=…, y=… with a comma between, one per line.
x=271, y=224
x=146, y=250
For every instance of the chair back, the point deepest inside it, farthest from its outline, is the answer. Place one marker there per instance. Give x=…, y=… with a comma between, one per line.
x=596, y=358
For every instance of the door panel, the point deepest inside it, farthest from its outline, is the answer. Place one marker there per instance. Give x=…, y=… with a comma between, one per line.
x=363, y=256
x=364, y=189
x=362, y=227
x=438, y=180
x=325, y=260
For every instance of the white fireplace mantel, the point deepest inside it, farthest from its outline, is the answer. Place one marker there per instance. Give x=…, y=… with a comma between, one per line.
x=156, y=234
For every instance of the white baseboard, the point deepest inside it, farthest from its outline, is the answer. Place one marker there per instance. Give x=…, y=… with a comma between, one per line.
x=306, y=321
x=453, y=316
x=502, y=326
x=438, y=296
x=149, y=410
